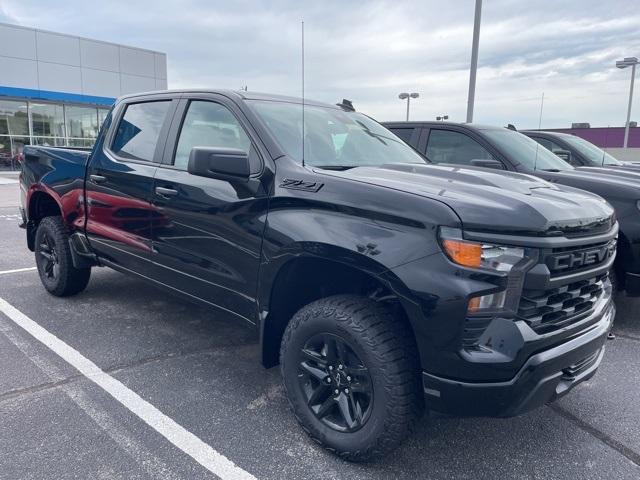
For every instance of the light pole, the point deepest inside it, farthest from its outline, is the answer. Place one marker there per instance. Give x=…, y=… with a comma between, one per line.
x=628, y=62
x=408, y=96
x=474, y=61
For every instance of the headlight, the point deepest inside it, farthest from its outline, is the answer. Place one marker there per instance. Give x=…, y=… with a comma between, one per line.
x=498, y=258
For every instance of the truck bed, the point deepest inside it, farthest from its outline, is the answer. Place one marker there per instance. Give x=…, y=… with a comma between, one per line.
x=58, y=172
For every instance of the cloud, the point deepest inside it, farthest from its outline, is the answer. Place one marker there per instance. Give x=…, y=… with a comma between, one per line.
x=370, y=51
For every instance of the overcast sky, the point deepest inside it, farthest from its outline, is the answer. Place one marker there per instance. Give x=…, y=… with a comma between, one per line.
x=370, y=51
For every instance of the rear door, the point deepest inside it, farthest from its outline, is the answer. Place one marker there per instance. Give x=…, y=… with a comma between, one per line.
x=120, y=182
x=209, y=242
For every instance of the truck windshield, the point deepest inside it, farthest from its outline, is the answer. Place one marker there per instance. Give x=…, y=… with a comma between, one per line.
x=526, y=151
x=594, y=155
x=333, y=138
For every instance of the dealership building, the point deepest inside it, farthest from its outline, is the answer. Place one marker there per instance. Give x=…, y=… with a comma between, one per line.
x=56, y=89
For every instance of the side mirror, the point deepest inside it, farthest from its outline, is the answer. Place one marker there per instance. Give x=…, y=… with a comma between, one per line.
x=563, y=154
x=487, y=163
x=228, y=164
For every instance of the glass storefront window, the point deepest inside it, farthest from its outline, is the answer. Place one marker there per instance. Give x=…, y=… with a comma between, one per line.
x=49, y=141
x=82, y=122
x=80, y=142
x=102, y=114
x=47, y=119
x=13, y=118
x=46, y=124
x=11, y=151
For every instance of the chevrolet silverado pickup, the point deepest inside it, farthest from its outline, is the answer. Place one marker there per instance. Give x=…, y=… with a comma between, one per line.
x=379, y=283
x=483, y=146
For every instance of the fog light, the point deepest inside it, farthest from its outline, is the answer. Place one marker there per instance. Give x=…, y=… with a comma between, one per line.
x=493, y=301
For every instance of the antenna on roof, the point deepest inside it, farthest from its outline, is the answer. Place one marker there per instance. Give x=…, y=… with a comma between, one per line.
x=302, y=41
x=535, y=161
x=604, y=151
x=346, y=105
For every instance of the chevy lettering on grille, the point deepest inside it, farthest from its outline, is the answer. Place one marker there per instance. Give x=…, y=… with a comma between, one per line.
x=582, y=258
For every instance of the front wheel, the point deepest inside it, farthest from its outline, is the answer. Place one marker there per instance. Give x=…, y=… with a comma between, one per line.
x=352, y=375
x=54, y=261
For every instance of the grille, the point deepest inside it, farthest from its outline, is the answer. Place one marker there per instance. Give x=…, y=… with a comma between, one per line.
x=548, y=310
x=577, y=368
x=575, y=259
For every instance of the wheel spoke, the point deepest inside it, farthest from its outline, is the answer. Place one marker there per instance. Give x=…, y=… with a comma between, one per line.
x=46, y=255
x=355, y=407
x=48, y=268
x=318, y=395
x=343, y=406
x=317, y=373
x=360, y=387
x=331, y=351
x=326, y=407
x=314, y=357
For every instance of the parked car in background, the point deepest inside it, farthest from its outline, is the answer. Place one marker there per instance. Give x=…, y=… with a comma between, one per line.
x=578, y=151
x=375, y=280
x=483, y=146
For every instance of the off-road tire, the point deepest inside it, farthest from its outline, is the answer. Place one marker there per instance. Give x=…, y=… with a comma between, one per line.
x=386, y=346
x=68, y=280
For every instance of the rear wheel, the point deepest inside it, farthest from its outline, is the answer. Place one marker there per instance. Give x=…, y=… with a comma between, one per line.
x=351, y=375
x=54, y=261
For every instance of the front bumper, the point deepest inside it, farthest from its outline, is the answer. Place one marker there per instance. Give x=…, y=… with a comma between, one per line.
x=544, y=377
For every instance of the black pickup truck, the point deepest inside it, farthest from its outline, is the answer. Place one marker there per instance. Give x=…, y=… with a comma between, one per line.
x=375, y=280
x=578, y=151
x=484, y=146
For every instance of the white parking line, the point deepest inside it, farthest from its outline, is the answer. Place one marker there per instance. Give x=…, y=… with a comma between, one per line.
x=180, y=437
x=17, y=270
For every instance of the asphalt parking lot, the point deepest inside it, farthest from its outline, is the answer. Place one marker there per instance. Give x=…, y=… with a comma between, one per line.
x=202, y=371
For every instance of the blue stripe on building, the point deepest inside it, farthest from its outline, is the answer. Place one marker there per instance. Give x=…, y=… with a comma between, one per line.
x=57, y=96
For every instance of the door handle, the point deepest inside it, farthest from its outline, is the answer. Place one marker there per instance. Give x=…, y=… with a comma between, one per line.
x=166, y=192
x=97, y=178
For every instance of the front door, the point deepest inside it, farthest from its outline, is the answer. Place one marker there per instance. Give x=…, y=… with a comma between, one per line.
x=210, y=244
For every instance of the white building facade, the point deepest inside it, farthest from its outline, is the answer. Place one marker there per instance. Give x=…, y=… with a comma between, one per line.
x=56, y=89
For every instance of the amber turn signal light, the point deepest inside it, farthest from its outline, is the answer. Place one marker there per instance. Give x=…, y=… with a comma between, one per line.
x=463, y=253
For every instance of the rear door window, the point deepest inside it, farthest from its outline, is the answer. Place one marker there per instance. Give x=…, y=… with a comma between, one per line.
x=139, y=130
x=448, y=146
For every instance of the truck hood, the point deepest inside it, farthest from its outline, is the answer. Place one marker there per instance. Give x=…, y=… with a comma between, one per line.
x=613, y=173
x=487, y=200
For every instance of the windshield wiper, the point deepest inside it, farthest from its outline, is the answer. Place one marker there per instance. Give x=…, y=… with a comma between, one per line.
x=336, y=167
x=550, y=169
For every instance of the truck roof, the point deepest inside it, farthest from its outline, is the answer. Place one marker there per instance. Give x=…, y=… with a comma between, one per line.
x=475, y=126
x=238, y=95
x=544, y=132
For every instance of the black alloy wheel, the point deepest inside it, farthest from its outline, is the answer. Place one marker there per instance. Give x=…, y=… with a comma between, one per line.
x=352, y=375
x=335, y=382
x=54, y=260
x=48, y=257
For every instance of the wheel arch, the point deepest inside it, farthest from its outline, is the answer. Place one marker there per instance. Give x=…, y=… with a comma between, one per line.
x=303, y=279
x=41, y=204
